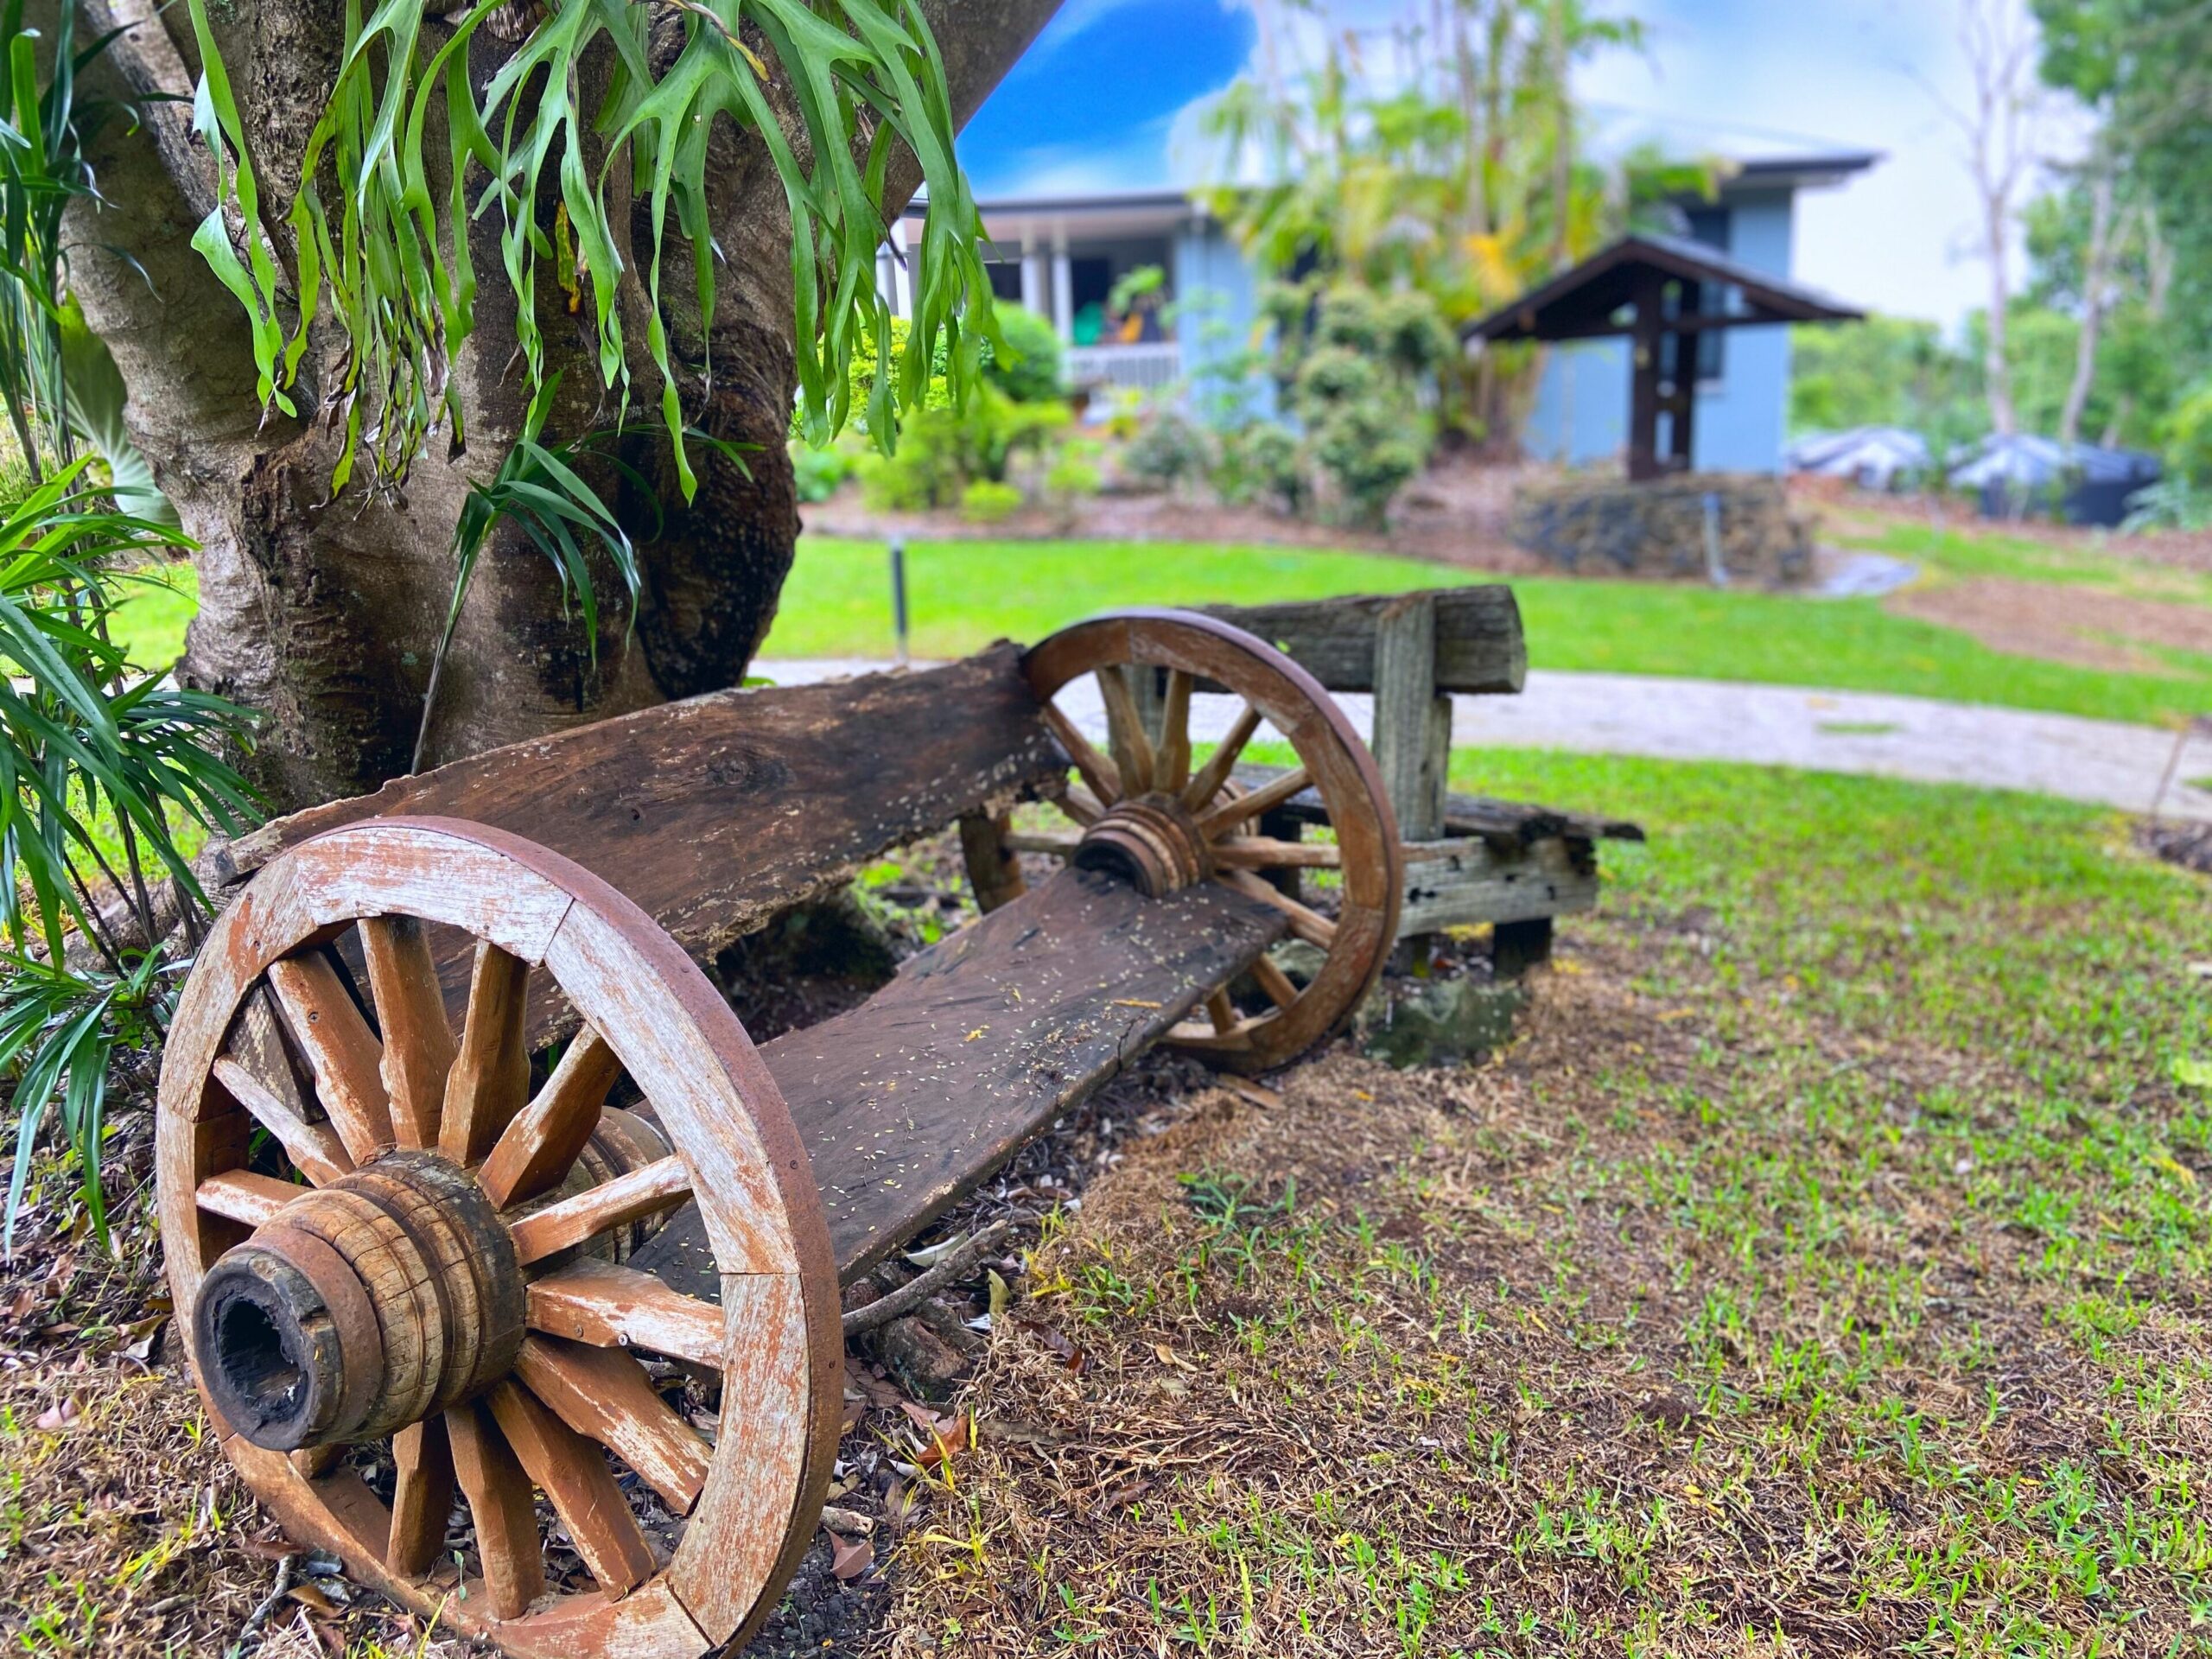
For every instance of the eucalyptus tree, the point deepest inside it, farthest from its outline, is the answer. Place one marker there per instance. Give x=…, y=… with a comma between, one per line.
x=526, y=287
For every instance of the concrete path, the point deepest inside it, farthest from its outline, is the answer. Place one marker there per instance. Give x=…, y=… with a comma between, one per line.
x=2103, y=761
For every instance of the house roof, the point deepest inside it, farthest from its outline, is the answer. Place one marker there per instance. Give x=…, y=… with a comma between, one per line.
x=1809, y=172
x=1583, y=303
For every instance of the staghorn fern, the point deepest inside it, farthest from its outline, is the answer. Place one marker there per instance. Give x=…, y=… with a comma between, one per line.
x=389, y=260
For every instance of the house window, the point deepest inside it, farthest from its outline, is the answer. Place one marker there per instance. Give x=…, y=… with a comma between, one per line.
x=1006, y=279
x=1711, y=226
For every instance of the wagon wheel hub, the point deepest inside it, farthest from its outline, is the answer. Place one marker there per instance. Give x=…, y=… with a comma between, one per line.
x=362, y=1307
x=1152, y=842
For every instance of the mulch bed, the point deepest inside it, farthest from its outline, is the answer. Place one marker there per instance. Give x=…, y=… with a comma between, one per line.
x=2189, y=845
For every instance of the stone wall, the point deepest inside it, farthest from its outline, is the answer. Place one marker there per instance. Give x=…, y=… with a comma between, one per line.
x=1608, y=527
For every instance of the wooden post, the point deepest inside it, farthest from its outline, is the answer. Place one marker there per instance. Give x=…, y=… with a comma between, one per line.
x=1643, y=379
x=1413, y=725
x=992, y=869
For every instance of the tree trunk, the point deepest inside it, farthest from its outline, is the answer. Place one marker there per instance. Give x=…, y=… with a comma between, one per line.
x=324, y=615
x=2097, y=277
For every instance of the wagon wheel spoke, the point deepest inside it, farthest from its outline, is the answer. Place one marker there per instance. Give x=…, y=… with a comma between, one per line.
x=1307, y=925
x=490, y=1080
x=500, y=1503
x=1080, y=804
x=241, y=1195
x=1266, y=853
x=328, y=1029
x=1172, y=757
x=604, y=1393
x=1222, y=1012
x=1216, y=818
x=1125, y=733
x=1279, y=986
x=418, y=1044
x=571, y=1473
x=1100, y=775
x=422, y=1496
x=606, y=1307
x=315, y=1149
x=538, y=1147
x=659, y=1186
x=1207, y=782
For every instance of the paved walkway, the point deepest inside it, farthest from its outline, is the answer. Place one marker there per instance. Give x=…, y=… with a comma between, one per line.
x=2103, y=761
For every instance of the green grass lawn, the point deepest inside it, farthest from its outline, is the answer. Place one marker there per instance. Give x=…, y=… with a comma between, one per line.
x=963, y=595
x=1958, y=549
x=1823, y=1270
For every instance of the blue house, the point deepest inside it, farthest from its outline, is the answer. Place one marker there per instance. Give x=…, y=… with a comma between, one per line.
x=1061, y=255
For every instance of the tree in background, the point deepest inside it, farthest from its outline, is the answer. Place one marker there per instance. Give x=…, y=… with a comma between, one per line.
x=2000, y=41
x=523, y=289
x=1437, y=153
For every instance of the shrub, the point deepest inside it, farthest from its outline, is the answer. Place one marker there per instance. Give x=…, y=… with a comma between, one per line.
x=986, y=501
x=1168, y=450
x=817, y=472
x=1260, y=462
x=1030, y=369
x=943, y=450
x=1071, y=479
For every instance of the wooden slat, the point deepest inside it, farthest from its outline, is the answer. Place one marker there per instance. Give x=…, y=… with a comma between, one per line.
x=243, y=1196
x=573, y=1472
x=316, y=1151
x=1172, y=759
x=908, y=1101
x=1479, y=644
x=535, y=1151
x=618, y=1307
x=626, y=1198
x=490, y=1079
x=418, y=1044
x=720, y=812
x=422, y=1496
x=1460, y=883
x=605, y=1394
x=327, y=1028
x=500, y=1503
x=1505, y=823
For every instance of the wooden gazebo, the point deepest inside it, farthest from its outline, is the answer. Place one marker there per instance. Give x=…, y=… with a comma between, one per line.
x=1661, y=292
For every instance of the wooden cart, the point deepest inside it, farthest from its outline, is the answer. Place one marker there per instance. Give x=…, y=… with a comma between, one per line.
x=407, y=1263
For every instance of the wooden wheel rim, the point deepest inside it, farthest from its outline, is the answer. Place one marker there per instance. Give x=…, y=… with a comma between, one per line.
x=1343, y=773
x=780, y=1349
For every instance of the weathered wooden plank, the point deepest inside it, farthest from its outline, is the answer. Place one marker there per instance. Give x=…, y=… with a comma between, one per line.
x=1457, y=883
x=1509, y=823
x=721, y=812
x=1479, y=647
x=907, y=1102
x=1407, y=729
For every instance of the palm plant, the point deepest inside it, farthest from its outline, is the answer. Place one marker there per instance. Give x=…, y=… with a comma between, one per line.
x=101, y=764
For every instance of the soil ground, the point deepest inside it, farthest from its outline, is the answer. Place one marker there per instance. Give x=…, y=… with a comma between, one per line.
x=1824, y=1270
x=2061, y=624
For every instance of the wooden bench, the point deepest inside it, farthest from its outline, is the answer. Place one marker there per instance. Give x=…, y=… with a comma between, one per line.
x=1469, y=860
x=410, y=1258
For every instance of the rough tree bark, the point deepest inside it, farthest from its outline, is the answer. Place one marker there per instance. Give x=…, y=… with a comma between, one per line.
x=324, y=616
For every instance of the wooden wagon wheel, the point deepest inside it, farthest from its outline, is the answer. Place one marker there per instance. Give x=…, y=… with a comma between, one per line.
x=1144, y=809
x=412, y=1282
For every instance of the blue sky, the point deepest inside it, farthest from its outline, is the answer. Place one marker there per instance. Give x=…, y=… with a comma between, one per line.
x=1112, y=93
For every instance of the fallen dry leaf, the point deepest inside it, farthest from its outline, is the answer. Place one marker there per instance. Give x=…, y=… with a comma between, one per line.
x=851, y=1558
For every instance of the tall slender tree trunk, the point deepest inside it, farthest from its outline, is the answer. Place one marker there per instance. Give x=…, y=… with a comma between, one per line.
x=2096, y=278
x=323, y=614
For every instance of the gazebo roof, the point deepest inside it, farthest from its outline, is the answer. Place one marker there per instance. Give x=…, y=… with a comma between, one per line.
x=1585, y=302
